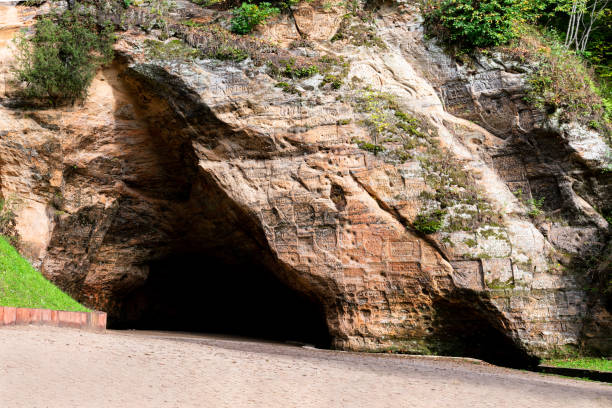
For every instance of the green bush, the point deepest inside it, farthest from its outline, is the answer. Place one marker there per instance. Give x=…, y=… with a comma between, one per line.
x=474, y=23
x=334, y=80
x=248, y=15
x=535, y=206
x=229, y=53
x=59, y=62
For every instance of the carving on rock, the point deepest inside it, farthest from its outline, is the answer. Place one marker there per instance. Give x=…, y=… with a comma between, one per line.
x=468, y=274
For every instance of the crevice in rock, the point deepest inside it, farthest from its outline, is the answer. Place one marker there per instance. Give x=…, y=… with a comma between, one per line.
x=297, y=28
x=402, y=220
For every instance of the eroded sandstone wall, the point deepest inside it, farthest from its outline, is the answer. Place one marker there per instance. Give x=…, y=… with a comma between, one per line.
x=170, y=155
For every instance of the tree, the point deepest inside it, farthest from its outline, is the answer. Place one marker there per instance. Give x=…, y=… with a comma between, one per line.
x=59, y=61
x=583, y=15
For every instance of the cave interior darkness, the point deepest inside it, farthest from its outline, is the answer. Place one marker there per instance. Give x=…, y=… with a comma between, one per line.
x=194, y=292
x=199, y=293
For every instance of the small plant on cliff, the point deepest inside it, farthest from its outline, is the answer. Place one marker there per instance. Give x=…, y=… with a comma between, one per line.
x=535, y=206
x=429, y=222
x=286, y=87
x=370, y=147
x=171, y=50
x=290, y=70
x=158, y=17
x=248, y=15
x=60, y=60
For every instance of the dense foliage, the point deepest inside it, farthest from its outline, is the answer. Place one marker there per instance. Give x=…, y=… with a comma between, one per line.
x=248, y=15
x=570, y=79
x=60, y=60
x=474, y=23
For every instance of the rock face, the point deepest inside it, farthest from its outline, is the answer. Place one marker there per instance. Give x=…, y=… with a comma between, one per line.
x=212, y=161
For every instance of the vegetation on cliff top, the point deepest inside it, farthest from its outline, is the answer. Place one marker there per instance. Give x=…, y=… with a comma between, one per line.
x=473, y=23
x=563, y=82
x=23, y=286
x=58, y=63
x=572, y=77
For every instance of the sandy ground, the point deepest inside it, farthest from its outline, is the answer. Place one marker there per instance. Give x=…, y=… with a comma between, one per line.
x=51, y=367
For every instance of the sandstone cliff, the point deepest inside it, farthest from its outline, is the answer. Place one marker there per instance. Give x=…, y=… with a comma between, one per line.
x=320, y=180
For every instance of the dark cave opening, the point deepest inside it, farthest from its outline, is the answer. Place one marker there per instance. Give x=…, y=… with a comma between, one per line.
x=196, y=292
x=463, y=327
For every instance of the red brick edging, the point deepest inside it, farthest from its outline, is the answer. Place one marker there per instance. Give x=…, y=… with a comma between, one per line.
x=94, y=321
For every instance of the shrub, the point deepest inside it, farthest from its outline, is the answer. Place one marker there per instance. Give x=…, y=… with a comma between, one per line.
x=219, y=43
x=334, y=80
x=474, y=23
x=216, y=42
x=430, y=222
x=248, y=15
x=287, y=87
x=230, y=53
x=59, y=62
x=563, y=81
x=290, y=70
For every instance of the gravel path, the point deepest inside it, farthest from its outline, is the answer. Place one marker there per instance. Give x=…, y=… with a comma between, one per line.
x=51, y=367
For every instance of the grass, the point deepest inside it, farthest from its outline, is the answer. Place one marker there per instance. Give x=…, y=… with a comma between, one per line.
x=23, y=286
x=587, y=363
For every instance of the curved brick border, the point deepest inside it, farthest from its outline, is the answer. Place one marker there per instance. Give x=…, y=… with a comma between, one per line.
x=94, y=321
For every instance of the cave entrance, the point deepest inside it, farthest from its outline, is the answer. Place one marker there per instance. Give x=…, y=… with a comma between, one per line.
x=464, y=326
x=197, y=292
